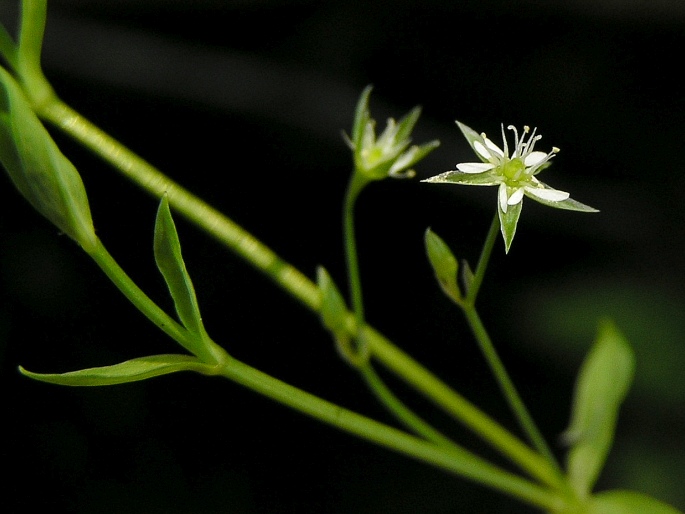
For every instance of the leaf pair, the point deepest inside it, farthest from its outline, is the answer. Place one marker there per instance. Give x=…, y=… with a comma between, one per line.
x=167, y=250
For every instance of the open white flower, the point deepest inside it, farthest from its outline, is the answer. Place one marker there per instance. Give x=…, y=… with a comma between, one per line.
x=514, y=173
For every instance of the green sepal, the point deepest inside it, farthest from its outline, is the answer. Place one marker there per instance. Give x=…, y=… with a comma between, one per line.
x=128, y=371
x=406, y=124
x=508, y=221
x=472, y=136
x=41, y=173
x=167, y=248
x=444, y=264
x=486, y=178
x=627, y=502
x=413, y=155
x=601, y=386
x=361, y=117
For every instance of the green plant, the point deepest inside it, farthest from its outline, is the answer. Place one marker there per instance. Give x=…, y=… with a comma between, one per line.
x=46, y=178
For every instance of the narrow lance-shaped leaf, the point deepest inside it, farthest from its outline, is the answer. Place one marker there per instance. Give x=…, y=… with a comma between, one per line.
x=602, y=384
x=444, y=264
x=170, y=262
x=129, y=371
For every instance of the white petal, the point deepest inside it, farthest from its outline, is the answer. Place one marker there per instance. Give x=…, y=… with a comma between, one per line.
x=534, y=158
x=503, y=198
x=493, y=147
x=481, y=150
x=474, y=167
x=551, y=195
x=516, y=196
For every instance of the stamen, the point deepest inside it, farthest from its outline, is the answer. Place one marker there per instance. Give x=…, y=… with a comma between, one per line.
x=504, y=139
x=531, y=141
x=516, y=139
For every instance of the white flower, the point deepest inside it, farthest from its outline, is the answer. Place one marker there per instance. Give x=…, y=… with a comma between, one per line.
x=514, y=173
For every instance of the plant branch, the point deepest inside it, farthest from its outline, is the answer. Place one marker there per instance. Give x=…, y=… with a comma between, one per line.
x=453, y=459
x=290, y=279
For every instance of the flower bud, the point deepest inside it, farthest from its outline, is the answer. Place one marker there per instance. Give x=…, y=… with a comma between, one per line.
x=41, y=173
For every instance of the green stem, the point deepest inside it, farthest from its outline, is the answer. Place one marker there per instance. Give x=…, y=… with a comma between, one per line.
x=185, y=203
x=452, y=459
x=401, y=411
x=483, y=261
x=507, y=387
x=500, y=373
x=405, y=415
x=290, y=279
x=31, y=30
x=357, y=183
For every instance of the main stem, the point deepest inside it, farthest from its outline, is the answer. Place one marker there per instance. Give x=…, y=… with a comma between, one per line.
x=498, y=369
x=452, y=459
x=290, y=279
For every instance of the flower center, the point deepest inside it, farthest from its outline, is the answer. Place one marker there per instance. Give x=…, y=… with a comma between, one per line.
x=514, y=169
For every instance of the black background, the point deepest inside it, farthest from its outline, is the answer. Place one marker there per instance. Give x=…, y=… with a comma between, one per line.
x=243, y=102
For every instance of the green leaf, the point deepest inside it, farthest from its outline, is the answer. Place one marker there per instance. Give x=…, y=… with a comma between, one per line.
x=334, y=316
x=602, y=384
x=334, y=312
x=627, y=502
x=170, y=262
x=124, y=372
x=444, y=264
x=508, y=221
x=41, y=173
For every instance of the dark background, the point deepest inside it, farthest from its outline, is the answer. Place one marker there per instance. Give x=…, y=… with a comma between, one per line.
x=243, y=102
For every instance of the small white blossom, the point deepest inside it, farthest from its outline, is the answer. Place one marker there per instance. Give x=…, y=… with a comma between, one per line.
x=513, y=172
